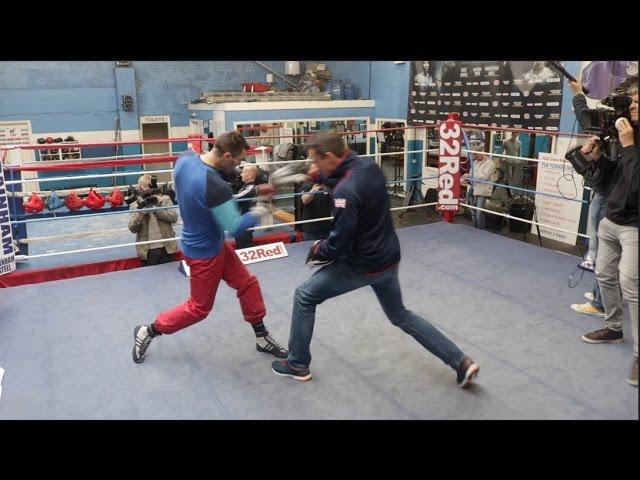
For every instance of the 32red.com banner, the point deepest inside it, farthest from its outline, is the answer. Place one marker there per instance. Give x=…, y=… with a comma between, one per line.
x=489, y=93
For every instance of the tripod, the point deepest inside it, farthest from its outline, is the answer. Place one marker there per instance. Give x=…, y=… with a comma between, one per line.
x=413, y=192
x=528, y=184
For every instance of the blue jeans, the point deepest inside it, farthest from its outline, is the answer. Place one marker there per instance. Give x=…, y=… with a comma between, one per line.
x=477, y=215
x=338, y=278
x=596, y=214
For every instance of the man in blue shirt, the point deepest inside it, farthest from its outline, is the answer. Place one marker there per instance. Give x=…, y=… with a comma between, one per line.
x=362, y=249
x=208, y=209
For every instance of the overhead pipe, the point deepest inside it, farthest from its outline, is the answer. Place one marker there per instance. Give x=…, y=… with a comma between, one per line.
x=277, y=74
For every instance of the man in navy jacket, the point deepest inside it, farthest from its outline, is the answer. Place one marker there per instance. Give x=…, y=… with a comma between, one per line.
x=362, y=249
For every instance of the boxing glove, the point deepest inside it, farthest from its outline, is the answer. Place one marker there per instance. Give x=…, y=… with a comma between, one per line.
x=312, y=258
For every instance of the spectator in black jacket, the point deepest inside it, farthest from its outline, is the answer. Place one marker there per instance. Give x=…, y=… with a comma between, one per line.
x=247, y=191
x=599, y=183
x=617, y=261
x=362, y=250
x=315, y=204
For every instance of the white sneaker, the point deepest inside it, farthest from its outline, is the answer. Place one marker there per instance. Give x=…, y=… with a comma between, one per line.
x=586, y=265
x=587, y=309
x=589, y=296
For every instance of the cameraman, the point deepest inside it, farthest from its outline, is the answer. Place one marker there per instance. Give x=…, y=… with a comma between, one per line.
x=617, y=261
x=599, y=183
x=152, y=225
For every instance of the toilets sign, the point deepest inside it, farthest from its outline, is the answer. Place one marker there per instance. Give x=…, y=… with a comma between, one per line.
x=7, y=257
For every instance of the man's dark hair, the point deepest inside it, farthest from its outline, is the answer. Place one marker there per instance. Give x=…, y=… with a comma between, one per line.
x=633, y=85
x=326, y=143
x=628, y=86
x=231, y=142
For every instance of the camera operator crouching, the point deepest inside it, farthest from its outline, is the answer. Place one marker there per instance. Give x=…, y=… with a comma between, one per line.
x=152, y=224
x=615, y=154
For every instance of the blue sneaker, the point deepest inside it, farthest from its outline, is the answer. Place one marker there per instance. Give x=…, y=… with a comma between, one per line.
x=282, y=368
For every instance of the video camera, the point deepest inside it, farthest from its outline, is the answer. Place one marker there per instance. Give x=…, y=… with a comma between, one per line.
x=603, y=124
x=603, y=120
x=145, y=199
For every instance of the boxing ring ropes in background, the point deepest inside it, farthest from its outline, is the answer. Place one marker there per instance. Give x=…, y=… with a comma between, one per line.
x=156, y=158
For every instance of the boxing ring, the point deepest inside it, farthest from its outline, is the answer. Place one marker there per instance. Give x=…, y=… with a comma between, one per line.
x=65, y=345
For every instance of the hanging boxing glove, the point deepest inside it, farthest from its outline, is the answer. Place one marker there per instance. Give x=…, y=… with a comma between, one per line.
x=34, y=204
x=94, y=200
x=115, y=198
x=54, y=202
x=73, y=201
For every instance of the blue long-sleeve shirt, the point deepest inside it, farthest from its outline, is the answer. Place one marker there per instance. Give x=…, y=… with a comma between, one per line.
x=207, y=207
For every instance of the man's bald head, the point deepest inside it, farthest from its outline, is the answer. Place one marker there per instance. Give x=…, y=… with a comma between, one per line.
x=249, y=173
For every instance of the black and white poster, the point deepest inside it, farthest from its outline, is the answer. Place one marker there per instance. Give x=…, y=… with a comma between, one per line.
x=488, y=93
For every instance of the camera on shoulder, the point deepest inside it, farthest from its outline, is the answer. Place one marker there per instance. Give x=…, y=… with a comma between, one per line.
x=144, y=199
x=603, y=120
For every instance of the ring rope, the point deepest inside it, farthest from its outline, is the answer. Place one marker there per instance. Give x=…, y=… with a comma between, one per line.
x=473, y=180
x=524, y=220
x=121, y=174
x=265, y=227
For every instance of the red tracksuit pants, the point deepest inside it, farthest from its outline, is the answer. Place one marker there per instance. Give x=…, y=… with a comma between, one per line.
x=206, y=274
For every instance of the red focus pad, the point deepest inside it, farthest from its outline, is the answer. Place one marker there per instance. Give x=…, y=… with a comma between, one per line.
x=116, y=198
x=73, y=202
x=34, y=205
x=266, y=189
x=94, y=200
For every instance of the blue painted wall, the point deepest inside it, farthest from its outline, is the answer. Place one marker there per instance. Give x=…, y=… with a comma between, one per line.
x=164, y=88
x=390, y=88
x=85, y=96
x=59, y=96
x=567, y=116
x=356, y=71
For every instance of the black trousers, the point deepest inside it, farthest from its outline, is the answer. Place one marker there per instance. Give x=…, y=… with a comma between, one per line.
x=245, y=240
x=156, y=256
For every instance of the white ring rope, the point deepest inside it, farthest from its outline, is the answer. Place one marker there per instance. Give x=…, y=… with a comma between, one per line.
x=512, y=157
x=79, y=191
x=264, y=227
x=95, y=233
x=99, y=159
x=524, y=220
x=124, y=174
x=80, y=177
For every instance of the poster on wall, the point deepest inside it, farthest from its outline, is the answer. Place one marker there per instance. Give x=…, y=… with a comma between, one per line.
x=556, y=176
x=487, y=93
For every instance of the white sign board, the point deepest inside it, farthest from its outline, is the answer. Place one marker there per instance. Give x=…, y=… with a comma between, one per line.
x=558, y=178
x=154, y=119
x=261, y=253
x=256, y=254
x=431, y=182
